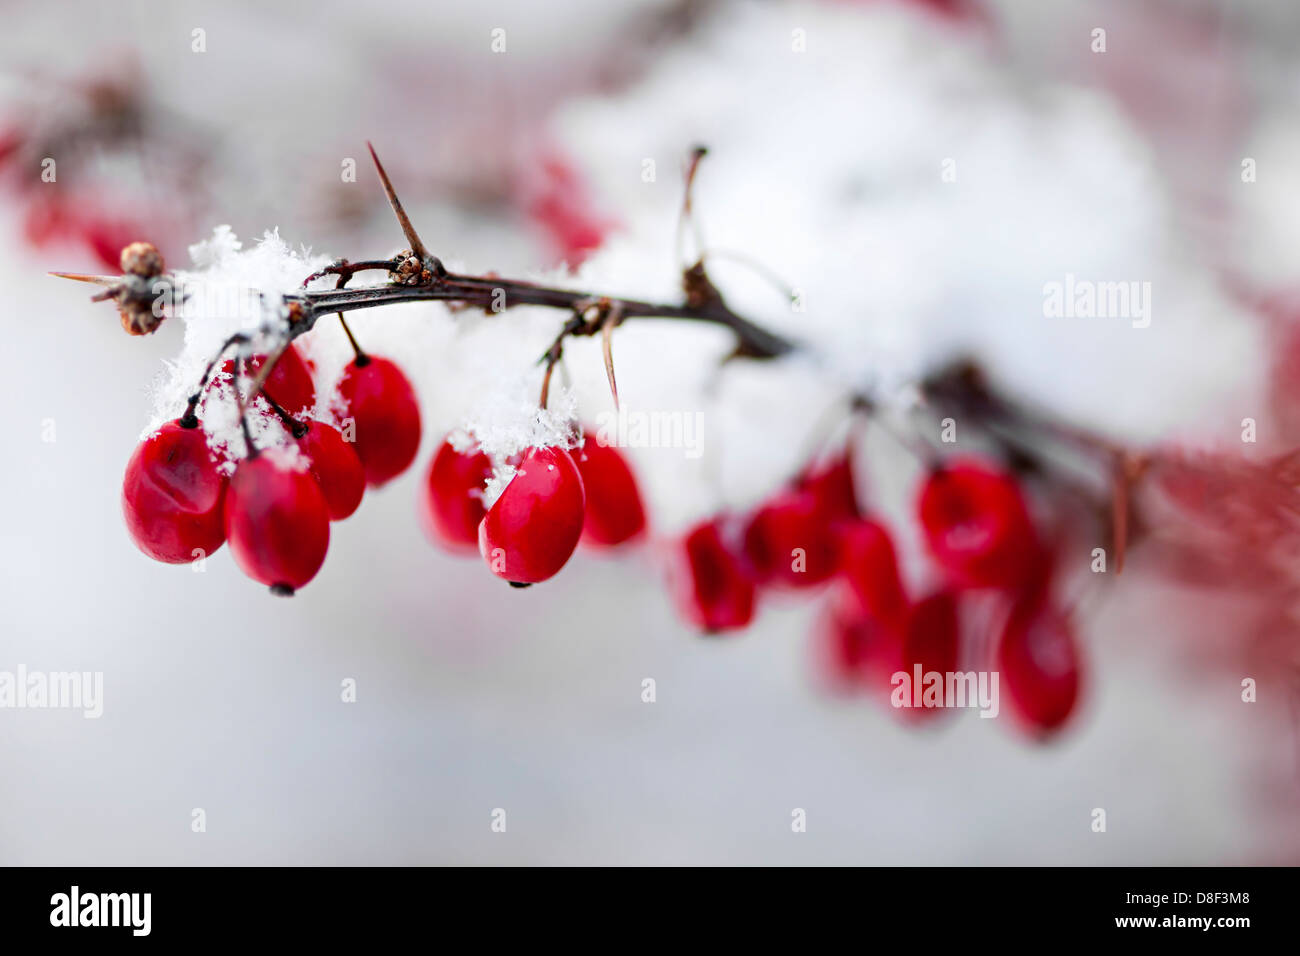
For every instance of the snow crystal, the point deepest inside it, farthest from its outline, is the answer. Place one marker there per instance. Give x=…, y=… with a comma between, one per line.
x=231, y=290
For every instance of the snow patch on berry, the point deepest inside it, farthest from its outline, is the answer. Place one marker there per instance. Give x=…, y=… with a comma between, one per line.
x=288, y=457
x=506, y=420
x=232, y=289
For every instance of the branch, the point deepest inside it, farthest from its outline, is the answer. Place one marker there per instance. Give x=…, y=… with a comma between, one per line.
x=493, y=294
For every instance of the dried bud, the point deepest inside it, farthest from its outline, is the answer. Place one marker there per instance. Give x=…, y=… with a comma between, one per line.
x=137, y=317
x=142, y=302
x=142, y=259
x=409, y=270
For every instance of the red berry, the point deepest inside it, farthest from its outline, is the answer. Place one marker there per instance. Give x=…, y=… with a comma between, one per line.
x=1038, y=663
x=789, y=541
x=290, y=382
x=336, y=468
x=869, y=565
x=277, y=521
x=452, y=499
x=172, y=495
x=615, y=513
x=556, y=199
x=533, y=527
x=855, y=651
x=834, y=486
x=977, y=526
x=715, y=590
x=12, y=139
x=47, y=219
x=930, y=644
x=108, y=236
x=381, y=402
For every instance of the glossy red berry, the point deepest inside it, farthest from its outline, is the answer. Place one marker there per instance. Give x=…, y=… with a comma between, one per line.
x=977, y=526
x=172, y=496
x=870, y=567
x=382, y=405
x=452, y=497
x=277, y=522
x=1038, y=664
x=336, y=468
x=714, y=588
x=290, y=382
x=615, y=514
x=790, y=542
x=532, y=529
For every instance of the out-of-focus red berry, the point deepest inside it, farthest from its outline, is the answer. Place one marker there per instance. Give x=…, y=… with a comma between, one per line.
x=931, y=645
x=869, y=566
x=615, y=514
x=789, y=541
x=713, y=588
x=834, y=487
x=1038, y=664
x=855, y=652
x=977, y=526
x=452, y=497
x=555, y=197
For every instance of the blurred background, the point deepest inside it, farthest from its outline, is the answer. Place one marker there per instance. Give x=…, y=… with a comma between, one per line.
x=518, y=136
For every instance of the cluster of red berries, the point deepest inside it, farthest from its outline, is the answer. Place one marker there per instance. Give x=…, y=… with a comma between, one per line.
x=72, y=207
x=556, y=499
x=980, y=537
x=813, y=534
x=276, y=507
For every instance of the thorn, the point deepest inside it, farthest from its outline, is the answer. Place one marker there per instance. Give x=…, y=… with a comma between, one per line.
x=687, y=216
x=412, y=237
x=607, y=348
x=81, y=277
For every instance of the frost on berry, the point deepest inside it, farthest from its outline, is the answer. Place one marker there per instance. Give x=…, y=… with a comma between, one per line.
x=231, y=289
x=532, y=529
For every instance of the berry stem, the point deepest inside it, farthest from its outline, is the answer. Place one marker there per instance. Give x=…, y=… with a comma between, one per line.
x=362, y=359
x=296, y=428
x=189, y=419
x=243, y=411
